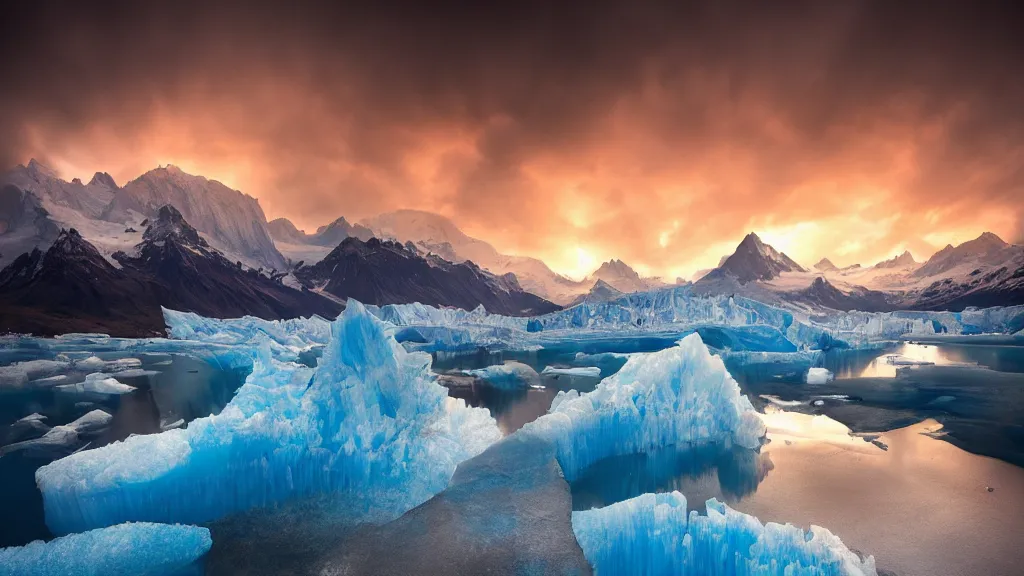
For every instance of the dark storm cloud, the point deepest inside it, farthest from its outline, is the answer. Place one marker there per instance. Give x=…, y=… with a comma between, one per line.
x=671, y=128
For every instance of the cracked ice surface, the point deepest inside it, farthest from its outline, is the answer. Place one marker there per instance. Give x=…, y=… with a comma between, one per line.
x=138, y=549
x=369, y=421
x=653, y=535
x=680, y=394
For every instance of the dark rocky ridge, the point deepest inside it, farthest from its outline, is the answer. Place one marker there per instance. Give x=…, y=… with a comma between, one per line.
x=73, y=288
x=386, y=272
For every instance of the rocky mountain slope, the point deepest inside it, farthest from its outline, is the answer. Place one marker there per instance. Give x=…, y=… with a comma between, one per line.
x=386, y=272
x=72, y=287
x=438, y=235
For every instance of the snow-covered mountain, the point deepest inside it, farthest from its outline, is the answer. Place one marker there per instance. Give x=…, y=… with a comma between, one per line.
x=752, y=261
x=90, y=199
x=438, y=235
x=620, y=276
x=386, y=272
x=72, y=287
x=905, y=260
x=24, y=223
x=298, y=246
x=600, y=292
x=232, y=221
x=111, y=218
x=825, y=265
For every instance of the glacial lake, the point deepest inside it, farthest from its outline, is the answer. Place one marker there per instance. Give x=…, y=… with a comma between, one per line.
x=926, y=504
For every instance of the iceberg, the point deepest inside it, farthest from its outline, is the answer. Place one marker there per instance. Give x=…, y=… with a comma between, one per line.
x=652, y=534
x=680, y=394
x=587, y=371
x=509, y=376
x=370, y=422
x=136, y=549
x=97, y=383
x=818, y=376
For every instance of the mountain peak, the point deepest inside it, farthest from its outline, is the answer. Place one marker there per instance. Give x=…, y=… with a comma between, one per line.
x=170, y=224
x=754, y=260
x=620, y=276
x=103, y=179
x=902, y=261
x=70, y=243
x=40, y=168
x=825, y=265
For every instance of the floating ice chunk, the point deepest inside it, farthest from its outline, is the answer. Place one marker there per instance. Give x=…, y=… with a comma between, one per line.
x=172, y=425
x=65, y=437
x=652, y=534
x=137, y=549
x=818, y=376
x=587, y=371
x=510, y=375
x=681, y=394
x=779, y=401
x=98, y=383
x=27, y=428
x=122, y=365
x=21, y=373
x=135, y=373
x=369, y=421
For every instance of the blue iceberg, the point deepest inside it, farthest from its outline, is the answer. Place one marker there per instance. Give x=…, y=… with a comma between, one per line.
x=369, y=422
x=680, y=394
x=653, y=535
x=138, y=549
x=508, y=376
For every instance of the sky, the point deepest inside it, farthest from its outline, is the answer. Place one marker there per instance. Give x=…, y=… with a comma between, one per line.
x=656, y=133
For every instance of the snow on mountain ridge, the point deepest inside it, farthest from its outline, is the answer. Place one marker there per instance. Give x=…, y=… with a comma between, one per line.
x=440, y=235
x=232, y=221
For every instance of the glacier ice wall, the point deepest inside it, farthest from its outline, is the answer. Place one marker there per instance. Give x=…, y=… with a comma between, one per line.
x=680, y=394
x=136, y=549
x=287, y=337
x=741, y=323
x=653, y=535
x=369, y=421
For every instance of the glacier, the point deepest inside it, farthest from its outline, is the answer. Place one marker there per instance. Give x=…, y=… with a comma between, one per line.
x=370, y=422
x=508, y=376
x=652, y=534
x=136, y=549
x=677, y=395
x=731, y=323
x=287, y=338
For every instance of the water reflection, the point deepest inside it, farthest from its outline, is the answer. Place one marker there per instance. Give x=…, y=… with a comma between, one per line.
x=513, y=409
x=698, y=471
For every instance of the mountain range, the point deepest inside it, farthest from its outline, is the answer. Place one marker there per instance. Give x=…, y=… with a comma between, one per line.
x=104, y=257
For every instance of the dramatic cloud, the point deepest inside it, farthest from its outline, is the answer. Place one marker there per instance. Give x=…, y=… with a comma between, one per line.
x=658, y=133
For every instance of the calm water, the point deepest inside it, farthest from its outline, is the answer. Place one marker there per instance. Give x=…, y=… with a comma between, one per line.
x=169, y=389
x=922, y=506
